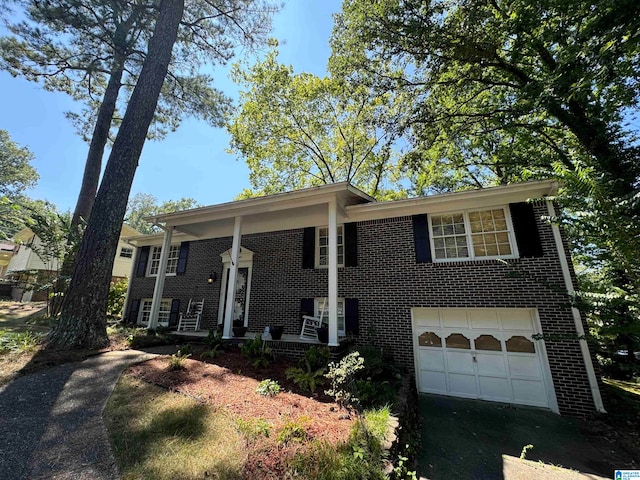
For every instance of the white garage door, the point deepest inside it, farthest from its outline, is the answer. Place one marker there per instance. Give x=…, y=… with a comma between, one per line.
x=481, y=353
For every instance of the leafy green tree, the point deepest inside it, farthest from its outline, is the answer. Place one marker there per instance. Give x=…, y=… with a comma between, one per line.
x=16, y=175
x=94, y=51
x=299, y=130
x=510, y=90
x=145, y=205
x=82, y=323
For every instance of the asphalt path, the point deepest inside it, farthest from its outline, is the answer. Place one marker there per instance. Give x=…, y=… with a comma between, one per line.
x=51, y=422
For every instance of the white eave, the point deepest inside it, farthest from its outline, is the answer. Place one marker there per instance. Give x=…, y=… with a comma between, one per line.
x=308, y=207
x=456, y=201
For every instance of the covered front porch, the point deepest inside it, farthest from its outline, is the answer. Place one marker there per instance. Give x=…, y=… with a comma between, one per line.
x=244, y=287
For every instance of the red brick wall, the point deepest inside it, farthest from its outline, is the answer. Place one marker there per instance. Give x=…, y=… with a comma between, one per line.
x=388, y=283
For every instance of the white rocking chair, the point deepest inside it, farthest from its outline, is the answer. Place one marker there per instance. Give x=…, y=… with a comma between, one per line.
x=190, y=320
x=309, y=324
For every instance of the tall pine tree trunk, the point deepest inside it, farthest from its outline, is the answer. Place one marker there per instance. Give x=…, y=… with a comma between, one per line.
x=83, y=321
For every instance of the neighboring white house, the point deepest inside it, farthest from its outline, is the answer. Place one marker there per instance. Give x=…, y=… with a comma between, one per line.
x=26, y=258
x=6, y=252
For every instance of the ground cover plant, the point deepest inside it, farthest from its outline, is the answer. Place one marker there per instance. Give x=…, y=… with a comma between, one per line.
x=291, y=433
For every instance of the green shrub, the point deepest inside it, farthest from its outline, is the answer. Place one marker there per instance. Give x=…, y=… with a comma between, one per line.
x=214, y=339
x=256, y=351
x=268, y=388
x=310, y=372
x=254, y=428
x=212, y=353
x=293, y=431
x=115, y=299
x=341, y=376
x=176, y=361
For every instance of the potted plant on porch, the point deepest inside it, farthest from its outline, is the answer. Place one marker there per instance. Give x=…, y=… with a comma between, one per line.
x=238, y=328
x=276, y=331
x=323, y=334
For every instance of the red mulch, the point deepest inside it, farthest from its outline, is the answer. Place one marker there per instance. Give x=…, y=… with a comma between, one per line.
x=230, y=382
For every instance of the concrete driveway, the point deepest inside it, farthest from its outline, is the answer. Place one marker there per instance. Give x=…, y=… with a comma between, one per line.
x=470, y=439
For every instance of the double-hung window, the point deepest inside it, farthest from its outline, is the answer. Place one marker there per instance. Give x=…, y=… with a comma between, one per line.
x=322, y=247
x=319, y=303
x=145, y=312
x=472, y=235
x=172, y=261
x=126, y=252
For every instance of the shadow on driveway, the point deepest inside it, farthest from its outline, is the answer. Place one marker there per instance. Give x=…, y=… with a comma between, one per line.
x=467, y=439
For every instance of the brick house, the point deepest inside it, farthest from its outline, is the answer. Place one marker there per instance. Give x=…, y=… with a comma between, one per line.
x=469, y=290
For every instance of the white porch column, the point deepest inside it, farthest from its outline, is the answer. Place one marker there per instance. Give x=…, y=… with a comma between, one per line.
x=231, y=284
x=333, y=273
x=159, y=287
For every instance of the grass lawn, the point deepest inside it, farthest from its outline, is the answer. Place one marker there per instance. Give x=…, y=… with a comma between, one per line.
x=163, y=435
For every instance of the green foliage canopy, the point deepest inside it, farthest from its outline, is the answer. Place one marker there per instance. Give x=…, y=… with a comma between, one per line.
x=299, y=130
x=146, y=205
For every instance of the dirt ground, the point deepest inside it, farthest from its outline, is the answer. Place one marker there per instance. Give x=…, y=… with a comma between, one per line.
x=230, y=382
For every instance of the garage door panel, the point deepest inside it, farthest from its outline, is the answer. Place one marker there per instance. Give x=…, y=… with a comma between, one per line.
x=484, y=319
x=426, y=317
x=432, y=359
x=494, y=388
x=463, y=385
x=516, y=319
x=460, y=362
x=530, y=392
x=491, y=365
x=433, y=382
x=454, y=318
x=524, y=366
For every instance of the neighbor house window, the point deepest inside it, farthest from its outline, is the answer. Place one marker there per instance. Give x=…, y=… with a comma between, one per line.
x=322, y=246
x=126, y=252
x=471, y=235
x=145, y=312
x=172, y=262
x=319, y=303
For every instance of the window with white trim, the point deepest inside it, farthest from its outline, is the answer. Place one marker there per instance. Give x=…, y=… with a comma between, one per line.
x=145, y=312
x=472, y=235
x=322, y=246
x=126, y=252
x=172, y=261
x=318, y=303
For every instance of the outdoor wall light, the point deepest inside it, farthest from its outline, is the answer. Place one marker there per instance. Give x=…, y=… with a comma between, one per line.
x=212, y=278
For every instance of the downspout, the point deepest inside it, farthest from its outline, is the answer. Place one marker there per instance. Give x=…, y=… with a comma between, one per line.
x=584, y=347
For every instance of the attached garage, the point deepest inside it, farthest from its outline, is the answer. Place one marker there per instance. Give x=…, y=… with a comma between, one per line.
x=482, y=353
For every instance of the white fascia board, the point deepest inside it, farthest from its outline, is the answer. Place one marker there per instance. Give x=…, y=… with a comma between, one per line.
x=450, y=202
x=271, y=203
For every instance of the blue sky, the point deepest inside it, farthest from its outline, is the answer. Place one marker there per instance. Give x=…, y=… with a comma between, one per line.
x=190, y=162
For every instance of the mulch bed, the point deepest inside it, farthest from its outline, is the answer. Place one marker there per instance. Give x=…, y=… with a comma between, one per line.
x=230, y=382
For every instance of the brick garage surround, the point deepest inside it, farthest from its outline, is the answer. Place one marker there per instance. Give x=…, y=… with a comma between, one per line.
x=388, y=283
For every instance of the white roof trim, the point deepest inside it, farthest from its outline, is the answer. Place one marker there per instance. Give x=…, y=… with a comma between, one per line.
x=269, y=203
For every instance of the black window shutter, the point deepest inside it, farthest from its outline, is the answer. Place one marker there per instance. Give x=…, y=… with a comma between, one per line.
x=133, y=311
x=175, y=312
x=525, y=229
x=351, y=244
x=307, y=306
x=309, y=247
x=351, y=316
x=182, y=259
x=421, y=238
x=143, y=257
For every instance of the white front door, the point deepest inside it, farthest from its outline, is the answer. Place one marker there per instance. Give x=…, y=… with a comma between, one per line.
x=243, y=286
x=487, y=354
